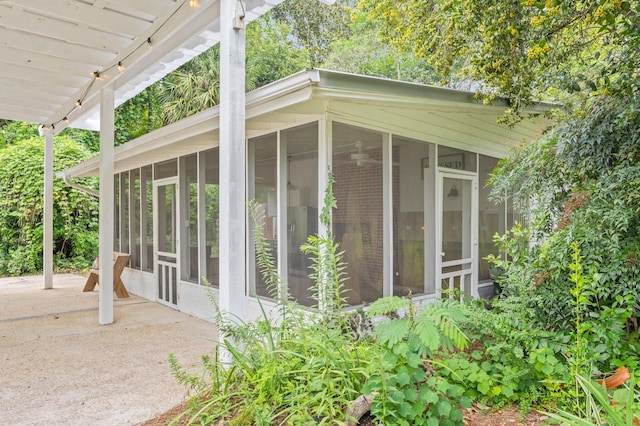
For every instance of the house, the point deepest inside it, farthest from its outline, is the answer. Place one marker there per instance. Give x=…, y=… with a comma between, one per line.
x=411, y=163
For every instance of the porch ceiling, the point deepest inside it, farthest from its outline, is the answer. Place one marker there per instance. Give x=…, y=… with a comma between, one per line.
x=50, y=48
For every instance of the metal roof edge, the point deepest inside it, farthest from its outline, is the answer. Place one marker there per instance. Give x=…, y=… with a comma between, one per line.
x=329, y=79
x=207, y=120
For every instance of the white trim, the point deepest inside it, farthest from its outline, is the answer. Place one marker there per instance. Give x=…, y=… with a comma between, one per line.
x=202, y=218
x=233, y=167
x=387, y=215
x=106, y=205
x=47, y=219
x=325, y=162
x=282, y=179
x=197, y=132
x=441, y=174
x=157, y=263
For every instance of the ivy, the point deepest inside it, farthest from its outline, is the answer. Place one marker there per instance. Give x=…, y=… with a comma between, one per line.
x=75, y=220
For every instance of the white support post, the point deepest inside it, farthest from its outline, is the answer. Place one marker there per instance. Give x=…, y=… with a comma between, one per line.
x=324, y=163
x=203, y=253
x=233, y=214
x=47, y=246
x=387, y=215
x=282, y=219
x=105, y=303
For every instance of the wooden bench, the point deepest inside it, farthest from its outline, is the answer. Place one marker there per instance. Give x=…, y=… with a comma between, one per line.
x=120, y=260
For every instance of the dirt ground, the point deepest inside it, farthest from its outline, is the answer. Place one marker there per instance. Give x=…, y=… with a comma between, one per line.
x=474, y=416
x=59, y=367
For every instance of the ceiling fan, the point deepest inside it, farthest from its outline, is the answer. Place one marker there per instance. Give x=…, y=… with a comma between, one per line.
x=360, y=157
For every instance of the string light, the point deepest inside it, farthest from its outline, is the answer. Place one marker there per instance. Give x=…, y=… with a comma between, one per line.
x=97, y=75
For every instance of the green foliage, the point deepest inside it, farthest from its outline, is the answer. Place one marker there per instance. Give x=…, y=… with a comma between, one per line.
x=139, y=115
x=521, y=49
x=87, y=138
x=301, y=368
x=602, y=137
x=75, y=220
x=264, y=258
x=508, y=361
x=327, y=268
x=536, y=179
x=405, y=388
x=589, y=296
x=314, y=26
x=364, y=53
x=619, y=408
x=271, y=54
x=192, y=88
x=195, y=86
x=16, y=131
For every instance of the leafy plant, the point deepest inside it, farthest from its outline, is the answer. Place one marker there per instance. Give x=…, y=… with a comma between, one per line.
x=327, y=266
x=401, y=374
x=298, y=368
x=619, y=409
x=75, y=221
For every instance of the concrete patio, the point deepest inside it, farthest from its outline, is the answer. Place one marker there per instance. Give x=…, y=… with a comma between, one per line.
x=59, y=367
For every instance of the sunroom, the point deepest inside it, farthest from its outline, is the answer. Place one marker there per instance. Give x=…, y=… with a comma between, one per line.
x=411, y=163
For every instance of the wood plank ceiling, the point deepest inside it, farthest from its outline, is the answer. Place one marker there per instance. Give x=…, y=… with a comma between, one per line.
x=54, y=53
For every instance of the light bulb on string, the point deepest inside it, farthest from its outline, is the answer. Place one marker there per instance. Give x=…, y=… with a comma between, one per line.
x=149, y=42
x=193, y=3
x=79, y=103
x=66, y=120
x=120, y=66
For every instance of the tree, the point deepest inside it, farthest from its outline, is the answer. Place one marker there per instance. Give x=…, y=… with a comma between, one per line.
x=139, y=115
x=75, y=219
x=521, y=49
x=314, y=25
x=364, y=53
x=271, y=53
x=195, y=86
x=578, y=185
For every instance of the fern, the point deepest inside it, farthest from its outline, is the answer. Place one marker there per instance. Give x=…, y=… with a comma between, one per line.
x=391, y=332
x=264, y=257
x=427, y=332
x=445, y=315
x=387, y=305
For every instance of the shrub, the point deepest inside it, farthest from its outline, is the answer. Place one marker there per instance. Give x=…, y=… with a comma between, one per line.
x=75, y=219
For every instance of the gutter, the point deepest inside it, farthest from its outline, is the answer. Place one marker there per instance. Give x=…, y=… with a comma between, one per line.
x=79, y=187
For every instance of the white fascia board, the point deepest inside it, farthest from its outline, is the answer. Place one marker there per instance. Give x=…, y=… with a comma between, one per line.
x=292, y=90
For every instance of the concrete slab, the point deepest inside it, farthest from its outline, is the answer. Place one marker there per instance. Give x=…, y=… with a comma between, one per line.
x=59, y=367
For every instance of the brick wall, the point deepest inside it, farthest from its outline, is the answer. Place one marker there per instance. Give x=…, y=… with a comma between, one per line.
x=358, y=223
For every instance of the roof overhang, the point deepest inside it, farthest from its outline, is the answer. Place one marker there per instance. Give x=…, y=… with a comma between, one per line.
x=307, y=95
